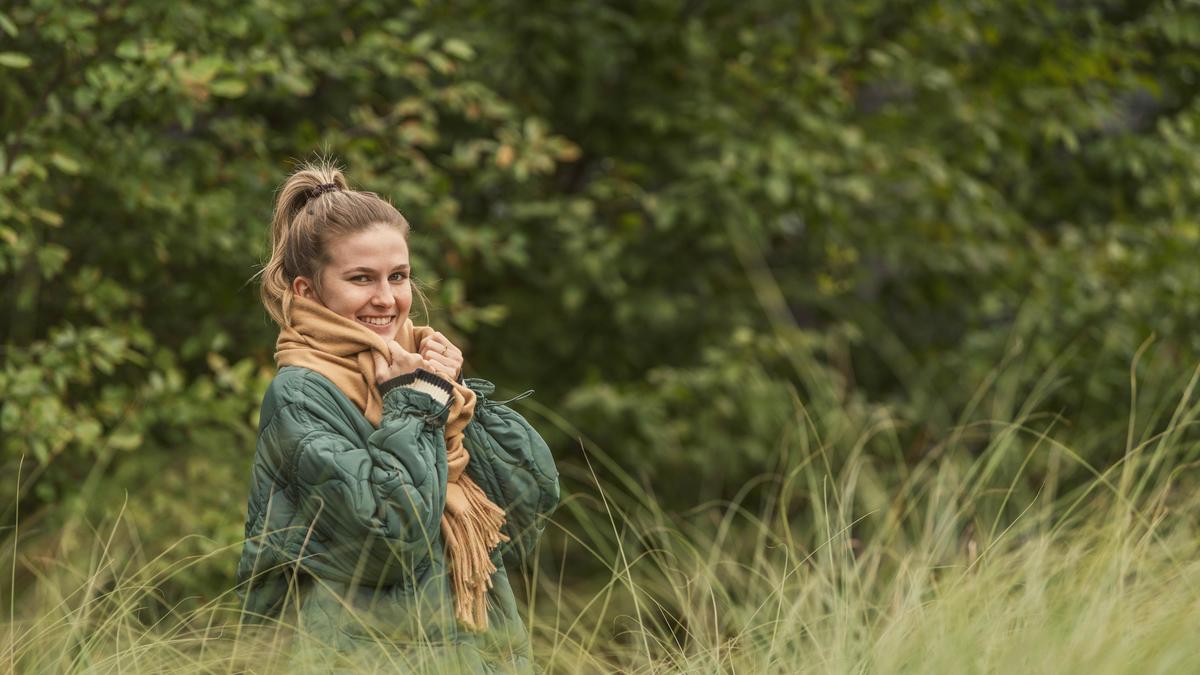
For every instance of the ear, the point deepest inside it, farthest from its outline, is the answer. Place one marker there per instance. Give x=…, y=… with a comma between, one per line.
x=302, y=287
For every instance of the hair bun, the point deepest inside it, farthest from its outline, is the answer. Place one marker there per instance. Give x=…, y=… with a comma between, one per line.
x=323, y=188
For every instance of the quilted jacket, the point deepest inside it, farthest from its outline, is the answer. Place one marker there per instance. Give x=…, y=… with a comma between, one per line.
x=343, y=536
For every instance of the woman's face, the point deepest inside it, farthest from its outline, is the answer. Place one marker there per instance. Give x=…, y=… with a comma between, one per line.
x=366, y=280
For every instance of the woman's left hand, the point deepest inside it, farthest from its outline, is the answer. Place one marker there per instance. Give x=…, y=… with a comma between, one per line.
x=442, y=355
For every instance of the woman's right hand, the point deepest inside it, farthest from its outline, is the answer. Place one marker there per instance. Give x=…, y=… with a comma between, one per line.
x=403, y=363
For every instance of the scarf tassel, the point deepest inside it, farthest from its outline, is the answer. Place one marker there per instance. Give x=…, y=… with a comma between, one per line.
x=471, y=525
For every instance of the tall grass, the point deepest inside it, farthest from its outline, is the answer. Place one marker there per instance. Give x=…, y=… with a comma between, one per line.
x=835, y=561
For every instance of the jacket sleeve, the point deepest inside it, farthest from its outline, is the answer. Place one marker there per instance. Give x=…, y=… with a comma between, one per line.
x=513, y=465
x=376, y=509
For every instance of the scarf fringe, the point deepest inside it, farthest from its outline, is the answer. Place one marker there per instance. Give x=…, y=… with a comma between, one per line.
x=471, y=527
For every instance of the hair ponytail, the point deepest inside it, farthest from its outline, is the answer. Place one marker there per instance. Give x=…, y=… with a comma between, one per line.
x=314, y=206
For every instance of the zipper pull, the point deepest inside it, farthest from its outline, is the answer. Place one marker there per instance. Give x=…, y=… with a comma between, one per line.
x=525, y=394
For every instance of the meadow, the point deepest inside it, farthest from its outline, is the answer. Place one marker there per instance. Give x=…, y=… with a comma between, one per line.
x=835, y=561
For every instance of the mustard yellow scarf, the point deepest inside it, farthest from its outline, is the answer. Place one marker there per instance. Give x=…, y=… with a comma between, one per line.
x=340, y=349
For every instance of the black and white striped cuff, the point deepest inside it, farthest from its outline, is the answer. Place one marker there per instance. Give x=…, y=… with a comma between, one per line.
x=423, y=381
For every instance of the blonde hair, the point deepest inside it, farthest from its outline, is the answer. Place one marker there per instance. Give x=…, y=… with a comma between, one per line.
x=315, y=207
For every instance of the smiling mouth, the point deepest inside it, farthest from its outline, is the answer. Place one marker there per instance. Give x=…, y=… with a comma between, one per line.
x=378, y=322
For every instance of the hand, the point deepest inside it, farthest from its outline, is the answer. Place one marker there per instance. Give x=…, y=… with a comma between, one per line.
x=445, y=359
x=403, y=363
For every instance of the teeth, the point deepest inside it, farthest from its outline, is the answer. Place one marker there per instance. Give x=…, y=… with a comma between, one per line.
x=376, y=322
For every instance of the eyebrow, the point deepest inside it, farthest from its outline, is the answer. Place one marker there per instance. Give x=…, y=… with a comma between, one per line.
x=360, y=268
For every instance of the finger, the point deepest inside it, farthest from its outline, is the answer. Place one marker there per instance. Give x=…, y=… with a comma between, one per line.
x=450, y=346
x=446, y=351
x=436, y=359
x=442, y=361
x=451, y=361
x=396, y=349
x=448, y=370
x=434, y=342
x=381, y=366
x=446, y=347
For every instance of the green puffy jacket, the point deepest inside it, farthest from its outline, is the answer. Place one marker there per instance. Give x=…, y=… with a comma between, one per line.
x=343, y=535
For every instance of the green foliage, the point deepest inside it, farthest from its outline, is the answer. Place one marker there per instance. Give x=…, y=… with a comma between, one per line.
x=936, y=188
x=674, y=220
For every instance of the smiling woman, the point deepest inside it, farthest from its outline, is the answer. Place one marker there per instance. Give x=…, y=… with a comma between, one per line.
x=366, y=278
x=388, y=493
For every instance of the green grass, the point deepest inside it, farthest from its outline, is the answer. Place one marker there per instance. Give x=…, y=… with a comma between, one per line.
x=838, y=560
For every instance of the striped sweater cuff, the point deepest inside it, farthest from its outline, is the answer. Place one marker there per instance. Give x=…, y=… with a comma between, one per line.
x=422, y=381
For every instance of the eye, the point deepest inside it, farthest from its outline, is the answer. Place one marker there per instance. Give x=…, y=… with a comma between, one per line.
x=399, y=276
x=359, y=277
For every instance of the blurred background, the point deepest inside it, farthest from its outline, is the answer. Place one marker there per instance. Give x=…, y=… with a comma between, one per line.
x=694, y=228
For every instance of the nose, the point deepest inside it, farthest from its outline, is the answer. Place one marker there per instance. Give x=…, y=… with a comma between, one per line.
x=382, y=296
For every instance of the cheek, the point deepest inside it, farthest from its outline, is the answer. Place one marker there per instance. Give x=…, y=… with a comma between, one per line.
x=351, y=299
x=340, y=296
x=403, y=295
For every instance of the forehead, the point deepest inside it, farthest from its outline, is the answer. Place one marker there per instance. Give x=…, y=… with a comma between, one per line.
x=381, y=246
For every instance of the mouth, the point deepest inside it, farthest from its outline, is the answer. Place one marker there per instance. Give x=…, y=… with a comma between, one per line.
x=376, y=321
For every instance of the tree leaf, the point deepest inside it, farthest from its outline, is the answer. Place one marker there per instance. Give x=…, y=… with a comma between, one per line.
x=458, y=49
x=15, y=60
x=7, y=25
x=228, y=88
x=66, y=164
x=48, y=217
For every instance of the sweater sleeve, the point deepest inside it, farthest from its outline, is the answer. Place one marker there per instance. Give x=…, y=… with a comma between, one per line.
x=513, y=465
x=375, y=508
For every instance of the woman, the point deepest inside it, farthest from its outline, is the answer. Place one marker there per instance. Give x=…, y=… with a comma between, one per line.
x=387, y=492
